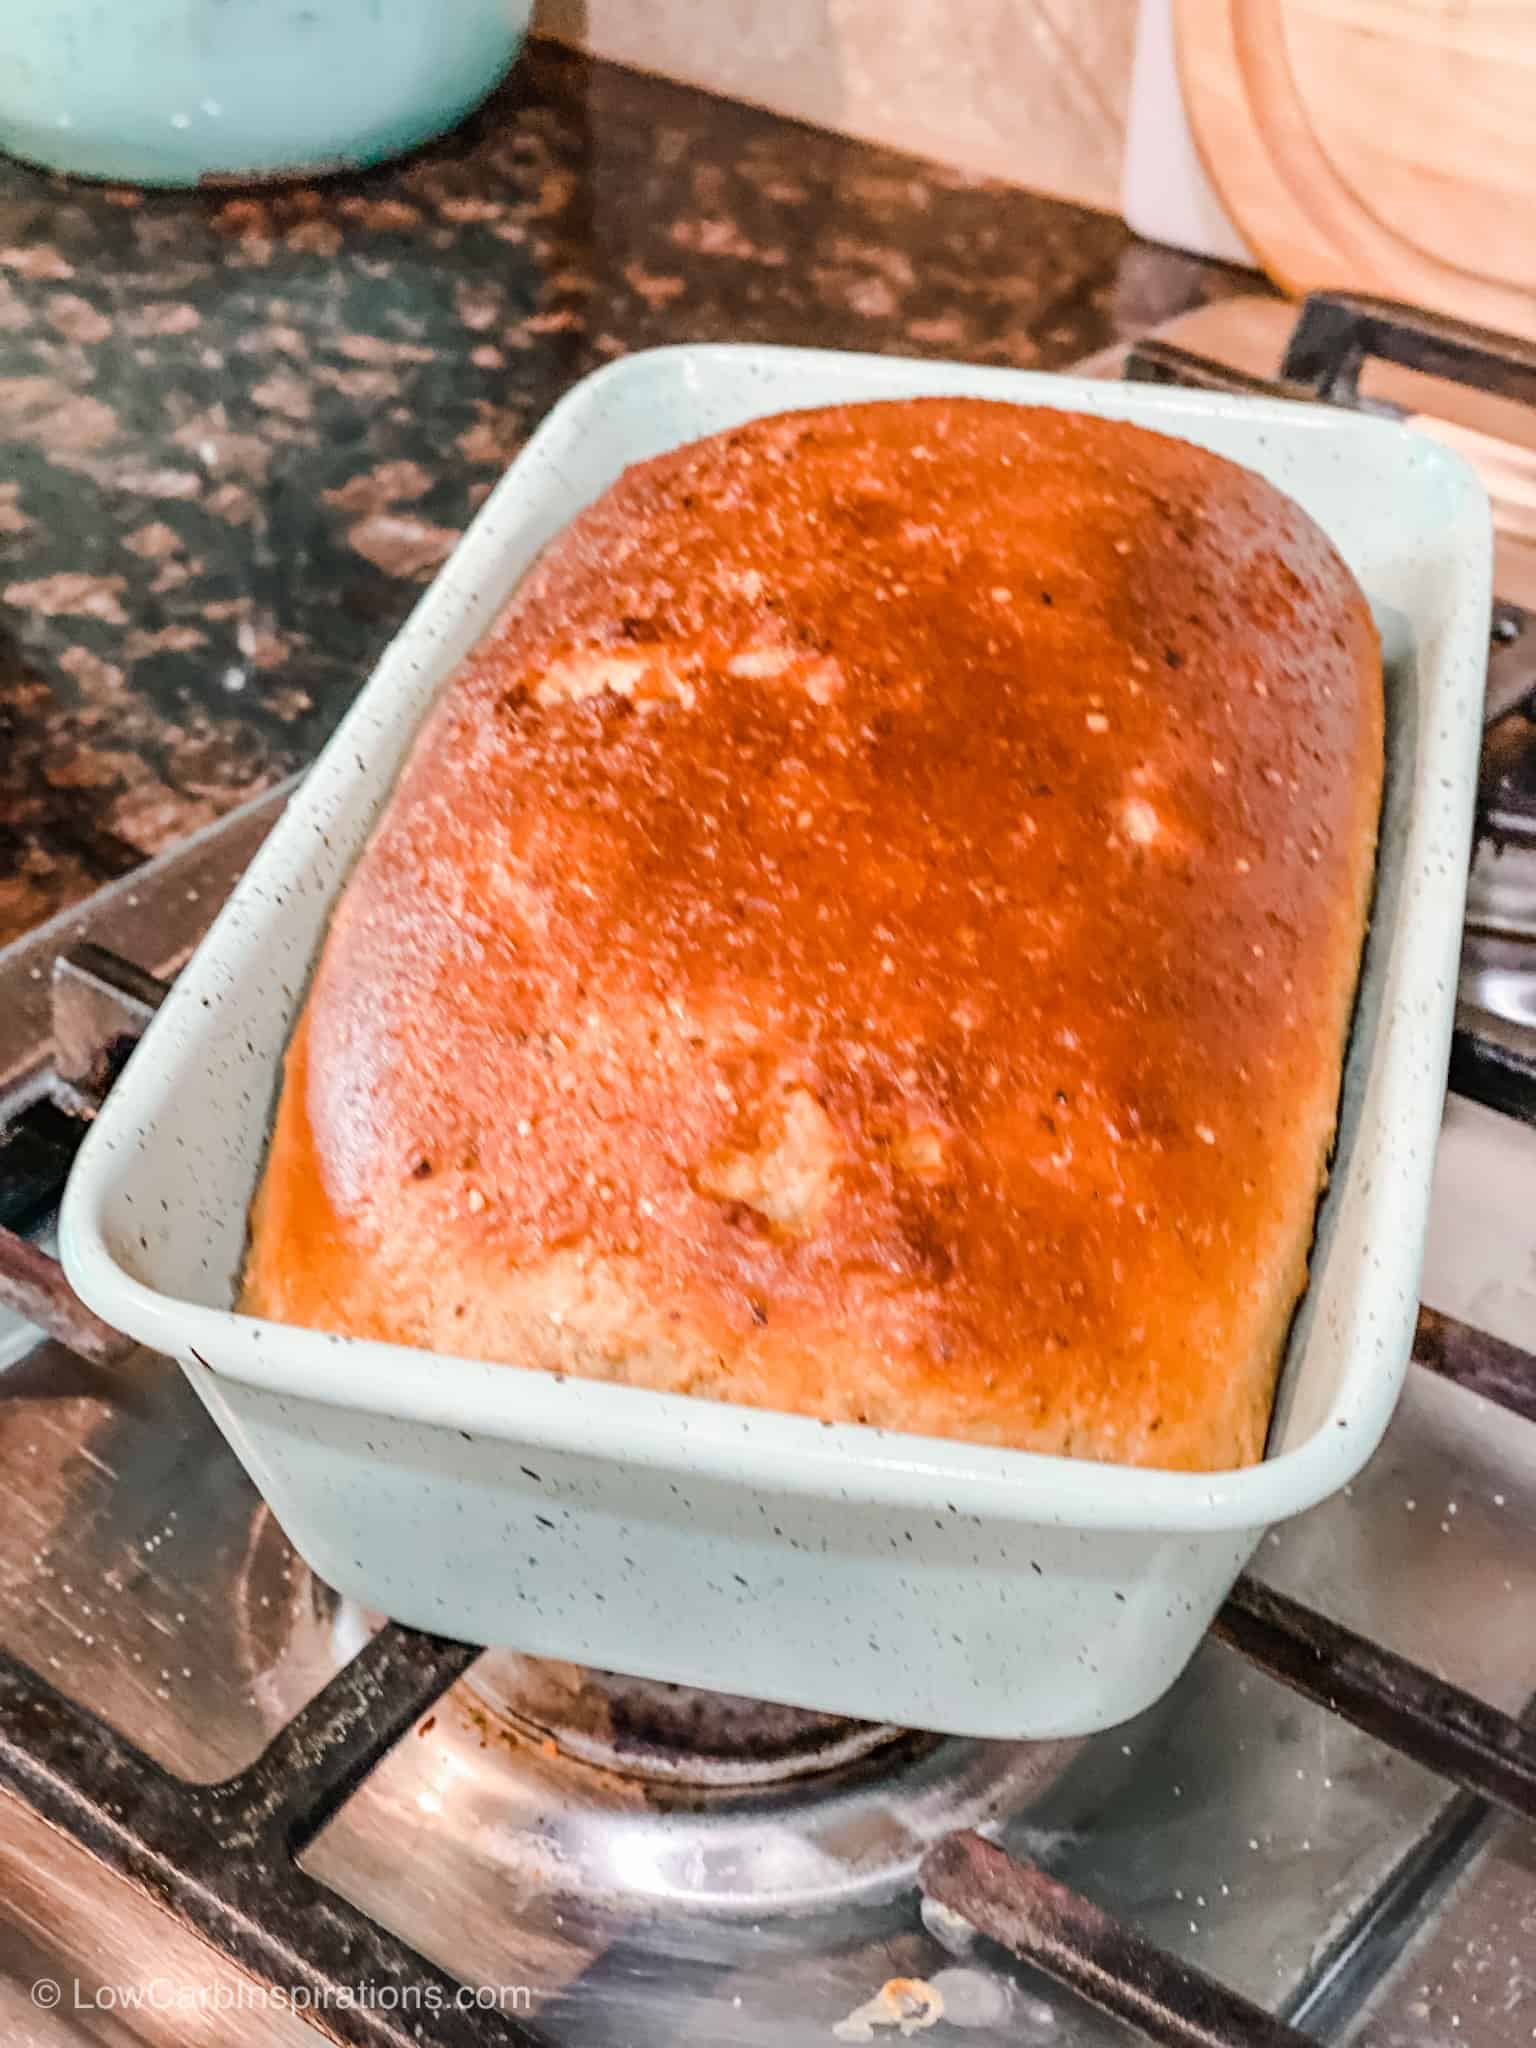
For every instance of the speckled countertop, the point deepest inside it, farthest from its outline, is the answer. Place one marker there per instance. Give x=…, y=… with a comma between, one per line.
x=240, y=431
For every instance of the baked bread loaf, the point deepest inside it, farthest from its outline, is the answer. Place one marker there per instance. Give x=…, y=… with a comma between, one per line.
x=872, y=932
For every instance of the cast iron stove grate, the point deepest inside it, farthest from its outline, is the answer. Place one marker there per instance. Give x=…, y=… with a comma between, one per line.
x=224, y=1858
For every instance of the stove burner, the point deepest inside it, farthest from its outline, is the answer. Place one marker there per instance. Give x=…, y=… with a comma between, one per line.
x=637, y=1793
x=774, y=1812
x=667, y=1734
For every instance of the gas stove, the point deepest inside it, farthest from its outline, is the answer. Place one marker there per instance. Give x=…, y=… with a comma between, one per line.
x=238, y=1808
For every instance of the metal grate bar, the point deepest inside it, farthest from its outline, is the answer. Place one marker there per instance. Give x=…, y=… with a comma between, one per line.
x=1493, y=1061
x=1446, y=1729
x=217, y=1857
x=1336, y=333
x=32, y=1285
x=314, y=1764
x=1055, y=1929
x=1482, y=1364
x=101, y=1008
x=1371, y=1944
x=1164, y=362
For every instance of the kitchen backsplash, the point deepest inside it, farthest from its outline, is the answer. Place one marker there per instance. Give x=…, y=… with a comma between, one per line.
x=1033, y=91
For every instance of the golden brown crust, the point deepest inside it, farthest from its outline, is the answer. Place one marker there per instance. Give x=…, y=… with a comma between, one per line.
x=871, y=933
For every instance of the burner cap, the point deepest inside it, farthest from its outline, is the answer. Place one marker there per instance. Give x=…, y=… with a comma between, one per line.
x=643, y=1794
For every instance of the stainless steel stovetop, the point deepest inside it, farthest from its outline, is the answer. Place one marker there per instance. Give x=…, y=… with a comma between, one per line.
x=622, y=1865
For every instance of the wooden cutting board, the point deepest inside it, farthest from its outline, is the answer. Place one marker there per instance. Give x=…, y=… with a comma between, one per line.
x=1385, y=146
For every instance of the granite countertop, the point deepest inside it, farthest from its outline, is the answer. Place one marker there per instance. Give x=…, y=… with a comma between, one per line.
x=241, y=430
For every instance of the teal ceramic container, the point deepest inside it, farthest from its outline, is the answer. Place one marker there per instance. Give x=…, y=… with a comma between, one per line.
x=181, y=92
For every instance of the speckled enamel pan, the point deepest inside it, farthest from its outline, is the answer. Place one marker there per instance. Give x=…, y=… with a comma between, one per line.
x=849, y=1569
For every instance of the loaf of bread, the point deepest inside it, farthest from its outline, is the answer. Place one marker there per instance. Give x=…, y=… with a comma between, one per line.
x=871, y=933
